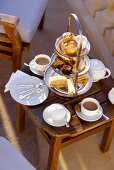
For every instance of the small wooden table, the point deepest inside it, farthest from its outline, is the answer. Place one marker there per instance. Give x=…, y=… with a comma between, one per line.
x=59, y=137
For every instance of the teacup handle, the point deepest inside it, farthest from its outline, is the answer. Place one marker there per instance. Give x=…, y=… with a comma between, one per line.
x=109, y=73
x=99, y=112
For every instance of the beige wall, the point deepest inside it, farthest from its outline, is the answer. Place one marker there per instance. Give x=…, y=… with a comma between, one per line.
x=97, y=17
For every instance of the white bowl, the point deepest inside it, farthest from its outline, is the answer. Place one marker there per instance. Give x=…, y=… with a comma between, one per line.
x=57, y=111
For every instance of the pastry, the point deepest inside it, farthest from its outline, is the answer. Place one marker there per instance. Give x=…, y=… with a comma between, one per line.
x=58, y=82
x=83, y=78
x=68, y=65
x=68, y=36
x=68, y=44
x=69, y=61
x=58, y=63
x=66, y=69
x=62, y=65
x=71, y=48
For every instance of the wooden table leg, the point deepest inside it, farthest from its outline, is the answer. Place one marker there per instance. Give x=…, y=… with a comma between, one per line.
x=54, y=153
x=107, y=138
x=20, y=117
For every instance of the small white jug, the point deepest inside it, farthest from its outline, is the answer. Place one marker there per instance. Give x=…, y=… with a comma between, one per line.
x=98, y=70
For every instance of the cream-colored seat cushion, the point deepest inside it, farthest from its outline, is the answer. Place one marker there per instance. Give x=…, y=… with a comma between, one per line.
x=11, y=159
x=30, y=13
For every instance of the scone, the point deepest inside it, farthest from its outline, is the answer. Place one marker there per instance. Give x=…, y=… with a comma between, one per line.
x=58, y=82
x=68, y=44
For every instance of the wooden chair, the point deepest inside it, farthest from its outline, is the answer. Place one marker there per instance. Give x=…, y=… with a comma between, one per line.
x=19, y=21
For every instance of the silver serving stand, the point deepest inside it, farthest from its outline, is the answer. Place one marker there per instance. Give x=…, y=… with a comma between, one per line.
x=80, y=48
x=78, y=55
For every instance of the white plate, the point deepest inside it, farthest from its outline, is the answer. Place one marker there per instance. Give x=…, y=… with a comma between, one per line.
x=47, y=115
x=50, y=72
x=35, y=98
x=85, y=52
x=37, y=72
x=90, y=118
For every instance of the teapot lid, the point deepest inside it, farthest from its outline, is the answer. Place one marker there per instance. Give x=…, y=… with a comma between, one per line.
x=96, y=64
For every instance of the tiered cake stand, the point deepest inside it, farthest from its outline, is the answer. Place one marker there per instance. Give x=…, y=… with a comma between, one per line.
x=80, y=55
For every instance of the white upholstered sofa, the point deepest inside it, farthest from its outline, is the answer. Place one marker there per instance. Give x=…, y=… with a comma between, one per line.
x=19, y=19
x=11, y=159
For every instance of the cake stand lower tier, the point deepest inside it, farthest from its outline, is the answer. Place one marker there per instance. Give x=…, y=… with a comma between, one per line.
x=82, y=87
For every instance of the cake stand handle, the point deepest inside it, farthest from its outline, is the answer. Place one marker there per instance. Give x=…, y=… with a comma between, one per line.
x=80, y=46
x=77, y=22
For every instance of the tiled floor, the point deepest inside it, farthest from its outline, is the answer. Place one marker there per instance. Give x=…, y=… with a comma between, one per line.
x=75, y=157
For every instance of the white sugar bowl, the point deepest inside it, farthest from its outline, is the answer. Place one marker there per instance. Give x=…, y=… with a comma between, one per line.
x=98, y=70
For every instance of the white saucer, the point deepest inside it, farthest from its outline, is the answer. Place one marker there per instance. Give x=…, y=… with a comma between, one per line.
x=57, y=123
x=37, y=72
x=90, y=118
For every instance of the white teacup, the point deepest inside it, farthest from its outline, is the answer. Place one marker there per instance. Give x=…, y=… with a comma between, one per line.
x=98, y=70
x=57, y=111
x=111, y=95
x=90, y=107
x=41, y=62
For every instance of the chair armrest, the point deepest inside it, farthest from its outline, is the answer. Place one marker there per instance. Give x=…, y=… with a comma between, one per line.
x=8, y=20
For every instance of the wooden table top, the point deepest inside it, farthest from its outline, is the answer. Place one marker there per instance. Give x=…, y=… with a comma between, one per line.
x=98, y=90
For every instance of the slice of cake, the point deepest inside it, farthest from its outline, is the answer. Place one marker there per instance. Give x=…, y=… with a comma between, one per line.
x=71, y=88
x=61, y=82
x=58, y=82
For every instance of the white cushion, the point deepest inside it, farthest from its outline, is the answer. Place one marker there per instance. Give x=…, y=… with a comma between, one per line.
x=30, y=13
x=11, y=159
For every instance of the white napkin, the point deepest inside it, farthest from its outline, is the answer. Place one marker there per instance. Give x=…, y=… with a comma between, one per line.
x=18, y=74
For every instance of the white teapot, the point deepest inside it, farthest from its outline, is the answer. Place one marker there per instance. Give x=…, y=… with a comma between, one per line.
x=98, y=70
